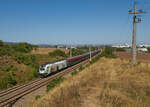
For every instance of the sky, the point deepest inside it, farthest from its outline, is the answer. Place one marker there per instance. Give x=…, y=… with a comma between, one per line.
x=72, y=21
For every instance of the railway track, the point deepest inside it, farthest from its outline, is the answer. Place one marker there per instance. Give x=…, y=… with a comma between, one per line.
x=11, y=95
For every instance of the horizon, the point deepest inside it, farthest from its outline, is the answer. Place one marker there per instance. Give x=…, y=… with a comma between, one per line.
x=72, y=22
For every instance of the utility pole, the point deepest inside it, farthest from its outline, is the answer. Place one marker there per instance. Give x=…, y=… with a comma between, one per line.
x=136, y=19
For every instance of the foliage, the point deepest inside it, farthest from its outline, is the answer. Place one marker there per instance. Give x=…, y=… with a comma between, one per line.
x=81, y=50
x=19, y=57
x=19, y=52
x=76, y=52
x=81, y=68
x=95, y=59
x=74, y=72
x=54, y=83
x=108, y=52
x=148, y=49
x=7, y=82
x=37, y=97
x=57, y=52
x=1, y=43
x=7, y=68
x=22, y=47
x=120, y=49
x=29, y=60
x=77, y=71
x=7, y=49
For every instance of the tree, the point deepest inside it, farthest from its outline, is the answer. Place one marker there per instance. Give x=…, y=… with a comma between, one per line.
x=58, y=52
x=148, y=49
x=1, y=43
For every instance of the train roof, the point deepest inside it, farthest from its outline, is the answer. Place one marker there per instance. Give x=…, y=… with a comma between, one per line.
x=43, y=65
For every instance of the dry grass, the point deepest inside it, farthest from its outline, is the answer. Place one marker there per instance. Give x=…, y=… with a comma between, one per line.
x=142, y=57
x=107, y=83
x=46, y=50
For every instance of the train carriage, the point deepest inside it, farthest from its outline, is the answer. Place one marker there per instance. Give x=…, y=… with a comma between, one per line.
x=48, y=68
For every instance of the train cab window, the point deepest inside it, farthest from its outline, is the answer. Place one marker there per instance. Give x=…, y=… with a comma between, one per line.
x=42, y=69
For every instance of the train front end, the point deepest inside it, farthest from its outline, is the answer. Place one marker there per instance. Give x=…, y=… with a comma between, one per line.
x=42, y=71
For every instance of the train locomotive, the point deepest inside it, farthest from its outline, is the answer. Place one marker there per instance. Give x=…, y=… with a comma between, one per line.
x=49, y=68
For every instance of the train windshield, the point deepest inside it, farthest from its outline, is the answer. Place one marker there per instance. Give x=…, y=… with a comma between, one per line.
x=41, y=68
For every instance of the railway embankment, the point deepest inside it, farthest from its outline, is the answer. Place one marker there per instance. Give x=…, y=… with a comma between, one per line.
x=107, y=82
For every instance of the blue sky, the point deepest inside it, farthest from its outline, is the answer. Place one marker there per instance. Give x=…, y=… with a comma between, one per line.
x=71, y=21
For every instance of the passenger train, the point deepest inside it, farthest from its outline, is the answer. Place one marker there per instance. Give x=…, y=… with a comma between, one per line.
x=49, y=68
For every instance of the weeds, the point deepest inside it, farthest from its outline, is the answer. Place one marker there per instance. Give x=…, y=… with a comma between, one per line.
x=54, y=83
x=37, y=97
x=74, y=73
x=81, y=68
x=114, y=83
x=7, y=82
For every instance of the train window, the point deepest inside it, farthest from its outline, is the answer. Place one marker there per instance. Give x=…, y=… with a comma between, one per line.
x=42, y=69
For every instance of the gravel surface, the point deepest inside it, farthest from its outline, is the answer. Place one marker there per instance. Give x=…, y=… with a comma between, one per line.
x=24, y=101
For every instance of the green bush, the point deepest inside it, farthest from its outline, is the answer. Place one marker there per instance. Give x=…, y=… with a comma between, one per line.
x=7, y=82
x=7, y=68
x=6, y=50
x=1, y=43
x=120, y=49
x=108, y=52
x=22, y=47
x=81, y=68
x=74, y=73
x=19, y=57
x=77, y=51
x=57, y=52
x=148, y=49
x=29, y=60
x=12, y=49
x=37, y=97
x=54, y=83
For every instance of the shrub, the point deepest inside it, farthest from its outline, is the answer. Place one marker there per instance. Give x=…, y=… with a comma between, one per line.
x=74, y=73
x=29, y=60
x=7, y=68
x=5, y=50
x=77, y=51
x=81, y=68
x=95, y=59
x=7, y=82
x=37, y=97
x=57, y=52
x=108, y=52
x=148, y=49
x=22, y=47
x=19, y=57
x=120, y=49
x=54, y=83
x=11, y=49
x=1, y=43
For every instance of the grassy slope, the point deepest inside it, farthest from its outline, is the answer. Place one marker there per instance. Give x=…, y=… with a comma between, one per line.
x=108, y=82
x=21, y=73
